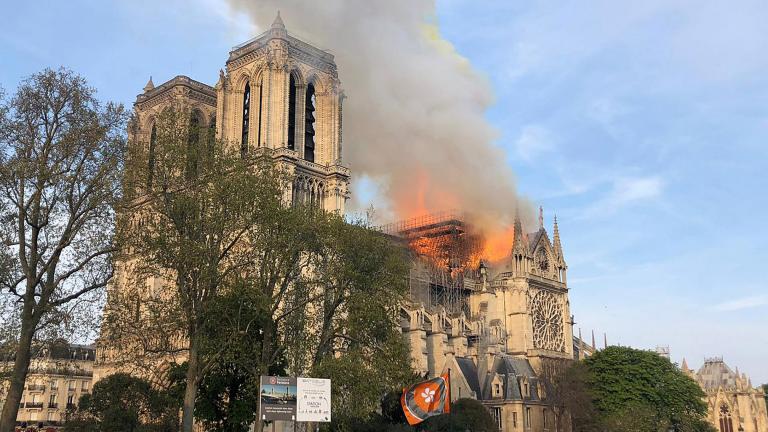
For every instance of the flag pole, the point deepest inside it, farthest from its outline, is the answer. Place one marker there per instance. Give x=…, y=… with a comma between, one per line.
x=450, y=391
x=450, y=394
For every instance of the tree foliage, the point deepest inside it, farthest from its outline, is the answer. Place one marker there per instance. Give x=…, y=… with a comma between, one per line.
x=466, y=415
x=243, y=284
x=124, y=403
x=188, y=224
x=61, y=156
x=637, y=390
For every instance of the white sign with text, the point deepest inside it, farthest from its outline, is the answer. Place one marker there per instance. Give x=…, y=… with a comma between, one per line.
x=313, y=400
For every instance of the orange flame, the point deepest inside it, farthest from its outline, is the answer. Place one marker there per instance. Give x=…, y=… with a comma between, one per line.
x=494, y=241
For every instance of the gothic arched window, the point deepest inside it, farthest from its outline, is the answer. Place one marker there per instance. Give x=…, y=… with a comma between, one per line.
x=151, y=156
x=261, y=108
x=193, y=145
x=246, y=115
x=726, y=424
x=292, y=113
x=211, y=135
x=309, y=124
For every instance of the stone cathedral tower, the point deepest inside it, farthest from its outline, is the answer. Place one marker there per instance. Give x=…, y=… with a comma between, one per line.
x=277, y=96
x=284, y=95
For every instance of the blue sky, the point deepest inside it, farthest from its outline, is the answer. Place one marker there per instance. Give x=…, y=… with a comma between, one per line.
x=643, y=125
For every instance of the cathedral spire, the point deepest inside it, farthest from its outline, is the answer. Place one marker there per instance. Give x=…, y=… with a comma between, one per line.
x=684, y=366
x=557, y=245
x=150, y=85
x=519, y=247
x=277, y=30
x=278, y=22
x=593, y=341
x=541, y=217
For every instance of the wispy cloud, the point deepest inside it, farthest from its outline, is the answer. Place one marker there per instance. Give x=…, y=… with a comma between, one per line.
x=626, y=192
x=743, y=303
x=533, y=141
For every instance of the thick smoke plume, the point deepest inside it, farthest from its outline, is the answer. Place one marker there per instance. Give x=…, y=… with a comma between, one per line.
x=414, y=114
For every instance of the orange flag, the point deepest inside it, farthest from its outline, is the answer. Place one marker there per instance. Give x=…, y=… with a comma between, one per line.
x=426, y=399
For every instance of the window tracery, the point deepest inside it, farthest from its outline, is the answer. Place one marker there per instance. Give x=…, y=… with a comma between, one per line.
x=547, y=321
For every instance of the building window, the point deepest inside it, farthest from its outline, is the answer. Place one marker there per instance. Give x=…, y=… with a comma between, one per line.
x=726, y=423
x=85, y=385
x=52, y=401
x=292, y=113
x=246, y=114
x=193, y=145
x=497, y=389
x=71, y=385
x=151, y=156
x=544, y=417
x=211, y=136
x=261, y=91
x=54, y=384
x=527, y=417
x=496, y=414
x=514, y=419
x=70, y=401
x=309, y=124
x=526, y=390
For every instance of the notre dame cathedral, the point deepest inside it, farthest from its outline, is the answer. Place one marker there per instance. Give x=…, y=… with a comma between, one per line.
x=501, y=328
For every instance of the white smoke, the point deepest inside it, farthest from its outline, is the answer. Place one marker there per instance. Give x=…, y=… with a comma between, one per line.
x=414, y=114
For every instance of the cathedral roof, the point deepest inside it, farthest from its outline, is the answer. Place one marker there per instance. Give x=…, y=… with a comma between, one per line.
x=715, y=373
x=303, y=50
x=469, y=370
x=205, y=92
x=534, y=238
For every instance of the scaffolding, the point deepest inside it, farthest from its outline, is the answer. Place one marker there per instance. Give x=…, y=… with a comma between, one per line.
x=447, y=256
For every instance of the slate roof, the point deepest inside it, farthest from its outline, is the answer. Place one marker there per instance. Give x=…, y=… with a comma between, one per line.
x=714, y=374
x=469, y=370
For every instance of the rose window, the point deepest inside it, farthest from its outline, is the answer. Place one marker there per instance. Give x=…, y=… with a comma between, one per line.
x=547, y=316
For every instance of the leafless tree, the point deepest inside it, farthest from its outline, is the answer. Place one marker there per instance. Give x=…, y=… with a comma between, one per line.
x=61, y=153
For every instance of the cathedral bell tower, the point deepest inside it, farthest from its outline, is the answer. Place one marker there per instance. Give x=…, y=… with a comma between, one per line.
x=283, y=97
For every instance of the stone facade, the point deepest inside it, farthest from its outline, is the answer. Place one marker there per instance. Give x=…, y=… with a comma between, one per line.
x=56, y=380
x=734, y=404
x=503, y=330
x=277, y=96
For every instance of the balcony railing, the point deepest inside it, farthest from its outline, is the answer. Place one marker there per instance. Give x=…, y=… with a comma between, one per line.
x=36, y=387
x=85, y=391
x=53, y=405
x=34, y=405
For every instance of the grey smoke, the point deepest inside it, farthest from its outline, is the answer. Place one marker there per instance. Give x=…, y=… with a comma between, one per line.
x=414, y=108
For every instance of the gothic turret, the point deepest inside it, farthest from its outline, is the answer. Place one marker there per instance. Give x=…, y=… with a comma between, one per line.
x=520, y=248
x=278, y=27
x=150, y=85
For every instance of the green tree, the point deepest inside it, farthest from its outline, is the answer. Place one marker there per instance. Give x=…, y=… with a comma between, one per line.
x=571, y=400
x=321, y=292
x=228, y=395
x=124, y=403
x=637, y=390
x=193, y=206
x=466, y=415
x=61, y=157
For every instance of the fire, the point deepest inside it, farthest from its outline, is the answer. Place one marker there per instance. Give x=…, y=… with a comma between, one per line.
x=498, y=244
x=491, y=241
